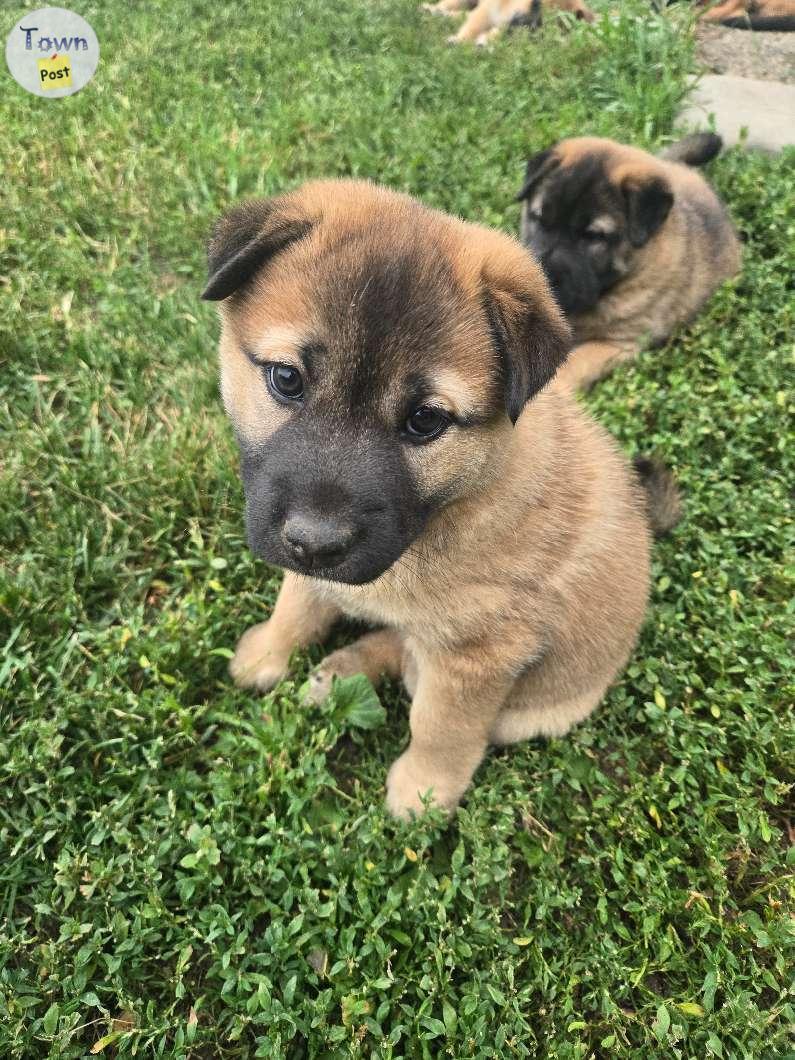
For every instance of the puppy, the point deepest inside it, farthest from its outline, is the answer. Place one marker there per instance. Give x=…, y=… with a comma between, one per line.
x=751, y=14
x=633, y=245
x=488, y=17
x=407, y=460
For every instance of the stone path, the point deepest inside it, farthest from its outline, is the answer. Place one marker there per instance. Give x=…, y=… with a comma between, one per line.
x=741, y=53
x=765, y=108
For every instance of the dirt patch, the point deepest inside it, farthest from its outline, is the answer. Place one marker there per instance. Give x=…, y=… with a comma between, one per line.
x=745, y=53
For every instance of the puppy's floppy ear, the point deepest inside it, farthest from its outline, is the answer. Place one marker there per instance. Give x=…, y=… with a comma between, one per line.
x=245, y=238
x=537, y=168
x=528, y=330
x=648, y=203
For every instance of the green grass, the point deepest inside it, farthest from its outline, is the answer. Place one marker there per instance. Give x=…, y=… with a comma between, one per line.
x=218, y=865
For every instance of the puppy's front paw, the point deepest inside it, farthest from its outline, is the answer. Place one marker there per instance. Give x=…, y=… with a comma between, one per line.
x=343, y=663
x=319, y=684
x=258, y=661
x=407, y=783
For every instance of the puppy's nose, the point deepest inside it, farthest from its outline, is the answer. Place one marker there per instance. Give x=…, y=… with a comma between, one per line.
x=317, y=541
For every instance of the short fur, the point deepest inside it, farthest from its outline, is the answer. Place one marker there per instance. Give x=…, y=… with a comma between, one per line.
x=633, y=245
x=663, y=503
x=694, y=150
x=488, y=18
x=506, y=561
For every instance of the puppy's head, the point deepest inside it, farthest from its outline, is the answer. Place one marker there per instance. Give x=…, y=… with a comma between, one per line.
x=589, y=205
x=373, y=355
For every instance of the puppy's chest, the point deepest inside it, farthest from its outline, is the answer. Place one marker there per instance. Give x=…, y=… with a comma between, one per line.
x=436, y=611
x=623, y=315
x=389, y=601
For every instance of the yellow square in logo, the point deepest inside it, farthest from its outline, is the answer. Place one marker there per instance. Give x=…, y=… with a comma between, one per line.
x=55, y=72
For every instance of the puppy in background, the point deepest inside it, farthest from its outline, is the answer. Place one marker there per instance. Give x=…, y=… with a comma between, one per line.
x=410, y=461
x=633, y=245
x=776, y=15
x=488, y=18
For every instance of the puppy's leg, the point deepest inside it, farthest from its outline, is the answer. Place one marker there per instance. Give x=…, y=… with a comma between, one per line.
x=448, y=7
x=591, y=361
x=488, y=37
x=475, y=24
x=452, y=715
x=375, y=655
x=544, y=719
x=263, y=652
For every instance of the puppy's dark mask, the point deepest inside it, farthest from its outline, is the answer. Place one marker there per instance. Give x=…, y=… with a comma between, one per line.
x=588, y=225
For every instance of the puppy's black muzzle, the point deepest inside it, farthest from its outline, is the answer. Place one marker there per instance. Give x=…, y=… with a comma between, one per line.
x=341, y=508
x=574, y=285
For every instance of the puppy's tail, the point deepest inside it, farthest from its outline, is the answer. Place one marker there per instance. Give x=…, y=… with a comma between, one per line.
x=663, y=503
x=694, y=150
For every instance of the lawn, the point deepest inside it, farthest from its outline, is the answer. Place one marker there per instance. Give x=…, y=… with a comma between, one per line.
x=189, y=870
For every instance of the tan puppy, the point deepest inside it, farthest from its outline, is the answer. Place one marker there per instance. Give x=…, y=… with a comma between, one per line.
x=633, y=245
x=487, y=18
x=387, y=369
x=751, y=14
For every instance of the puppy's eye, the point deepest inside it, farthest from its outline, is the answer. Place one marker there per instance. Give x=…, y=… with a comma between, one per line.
x=285, y=382
x=594, y=235
x=426, y=423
